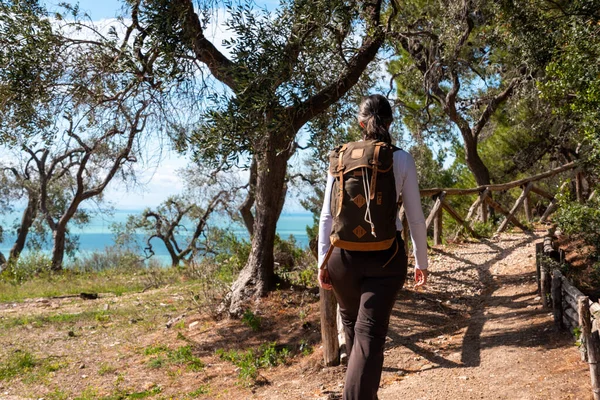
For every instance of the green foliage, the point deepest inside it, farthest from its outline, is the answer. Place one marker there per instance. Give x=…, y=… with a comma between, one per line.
x=203, y=389
x=29, y=266
x=113, y=258
x=582, y=220
x=484, y=229
x=180, y=356
x=19, y=362
x=231, y=252
x=251, y=320
x=28, y=67
x=249, y=362
x=305, y=348
x=106, y=369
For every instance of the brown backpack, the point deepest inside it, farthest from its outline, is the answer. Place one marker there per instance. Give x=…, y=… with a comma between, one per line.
x=363, y=199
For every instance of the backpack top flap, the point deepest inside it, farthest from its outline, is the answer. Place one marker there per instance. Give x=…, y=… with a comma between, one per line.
x=355, y=155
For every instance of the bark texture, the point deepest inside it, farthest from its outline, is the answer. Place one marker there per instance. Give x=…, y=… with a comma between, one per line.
x=29, y=215
x=258, y=276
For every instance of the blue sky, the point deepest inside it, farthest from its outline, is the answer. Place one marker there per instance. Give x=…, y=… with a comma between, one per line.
x=101, y=9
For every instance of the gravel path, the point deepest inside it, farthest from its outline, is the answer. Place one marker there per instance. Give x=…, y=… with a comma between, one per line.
x=477, y=332
x=486, y=335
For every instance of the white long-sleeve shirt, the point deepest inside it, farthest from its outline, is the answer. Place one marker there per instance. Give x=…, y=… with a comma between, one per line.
x=405, y=174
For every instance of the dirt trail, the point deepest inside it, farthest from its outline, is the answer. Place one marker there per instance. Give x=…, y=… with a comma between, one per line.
x=478, y=332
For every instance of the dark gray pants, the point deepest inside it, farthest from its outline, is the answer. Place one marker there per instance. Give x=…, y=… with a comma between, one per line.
x=366, y=292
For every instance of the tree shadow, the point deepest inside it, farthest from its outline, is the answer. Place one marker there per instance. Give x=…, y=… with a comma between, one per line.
x=445, y=320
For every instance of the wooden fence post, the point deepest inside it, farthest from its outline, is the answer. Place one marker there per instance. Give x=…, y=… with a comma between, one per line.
x=552, y=206
x=513, y=210
x=545, y=283
x=329, y=332
x=539, y=249
x=527, y=207
x=579, y=187
x=557, y=301
x=592, y=343
x=437, y=228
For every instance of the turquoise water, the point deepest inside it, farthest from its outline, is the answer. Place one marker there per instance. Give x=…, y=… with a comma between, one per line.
x=97, y=236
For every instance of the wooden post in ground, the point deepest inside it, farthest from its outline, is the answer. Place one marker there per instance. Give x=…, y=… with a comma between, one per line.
x=527, y=207
x=329, y=332
x=539, y=249
x=553, y=205
x=434, y=210
x=437, y=228
x=592, y=343
x=483, y=210
x=545, y=283
x=557, y=301
x=579, y=187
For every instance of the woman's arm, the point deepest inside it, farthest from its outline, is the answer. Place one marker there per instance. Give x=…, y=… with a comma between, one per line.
x=411, y=198
x=325, y=221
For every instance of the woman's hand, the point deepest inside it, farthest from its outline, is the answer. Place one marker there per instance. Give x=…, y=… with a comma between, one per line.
x=420, y=278
x=324, y=280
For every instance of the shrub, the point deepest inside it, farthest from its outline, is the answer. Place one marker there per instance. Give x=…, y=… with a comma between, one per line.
x=28, y=266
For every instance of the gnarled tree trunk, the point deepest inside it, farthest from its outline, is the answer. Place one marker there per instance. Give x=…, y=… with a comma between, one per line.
x=258, y=276
x=27, y=219
x=58, y=248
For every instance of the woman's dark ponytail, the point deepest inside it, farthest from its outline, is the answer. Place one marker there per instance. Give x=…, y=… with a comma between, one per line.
x=375, y=114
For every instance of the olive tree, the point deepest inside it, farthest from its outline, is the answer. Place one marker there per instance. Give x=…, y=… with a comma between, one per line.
x=278, y=72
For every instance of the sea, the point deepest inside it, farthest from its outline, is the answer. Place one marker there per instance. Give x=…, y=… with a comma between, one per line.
x=97, y=236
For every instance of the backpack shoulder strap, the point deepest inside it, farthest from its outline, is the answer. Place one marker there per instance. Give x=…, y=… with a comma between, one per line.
x=340, y=172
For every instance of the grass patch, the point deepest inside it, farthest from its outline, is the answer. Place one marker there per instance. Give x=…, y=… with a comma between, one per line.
x=106, y=369
x=17, y=363
x=252, y=320
x=70, y=283
x=204, y=389
x=249, y=362
x=25, y=365
x=181, y=356
x=39, y=321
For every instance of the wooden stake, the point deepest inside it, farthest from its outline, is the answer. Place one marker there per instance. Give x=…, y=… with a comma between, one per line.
x=545, y=284
x=437, y=228
x=539, y=248
x=527, y=207
x=434, y=210
x=557, y=305
x=518, y=204
x=579, y=187
x=502, y=210
x=457, y=217
x=329, y=333
x=592, y=343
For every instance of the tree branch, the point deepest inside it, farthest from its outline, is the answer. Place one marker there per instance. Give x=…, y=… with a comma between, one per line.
x=492, y=106
x=220, y=66
x=371, y=43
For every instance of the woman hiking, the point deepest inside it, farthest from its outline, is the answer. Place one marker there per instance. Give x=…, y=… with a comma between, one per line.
x=361, y=252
